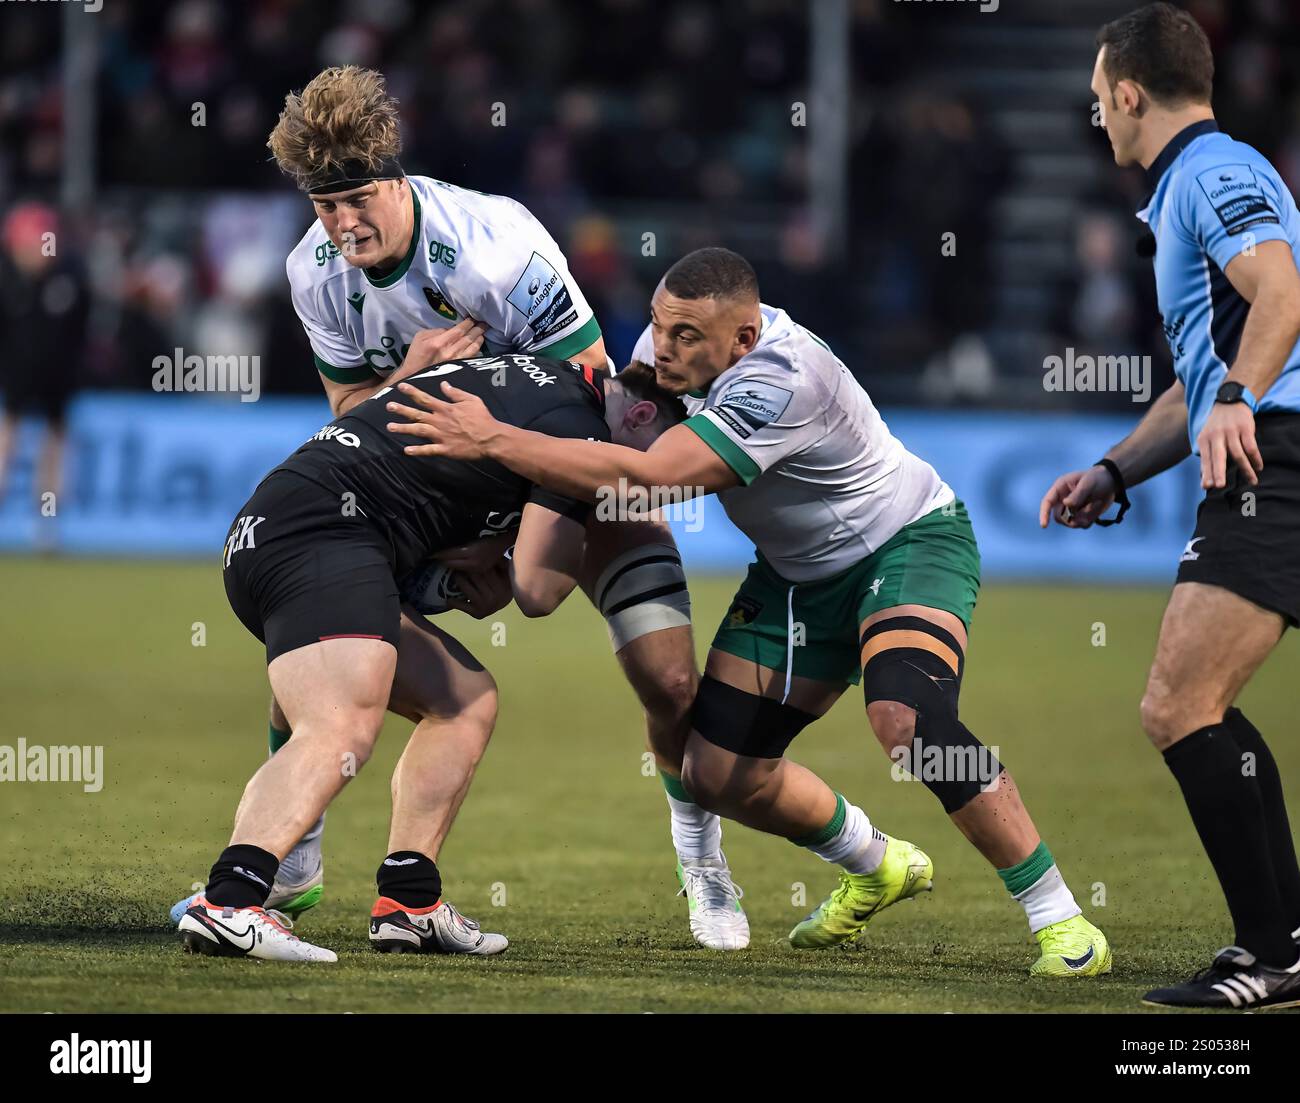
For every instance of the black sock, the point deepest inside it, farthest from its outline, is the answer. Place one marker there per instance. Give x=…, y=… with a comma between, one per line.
x=242, y=877
x=1229, y=816
x=410, y=878
x=1281, y=844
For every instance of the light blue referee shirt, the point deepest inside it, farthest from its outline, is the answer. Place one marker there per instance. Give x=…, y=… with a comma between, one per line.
x=1214, y=198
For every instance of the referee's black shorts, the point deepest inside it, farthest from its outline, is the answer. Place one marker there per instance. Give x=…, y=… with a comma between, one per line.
x=299, y=570
x=1247, y=538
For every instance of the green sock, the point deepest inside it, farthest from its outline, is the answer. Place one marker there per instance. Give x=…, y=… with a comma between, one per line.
x=1037, y=885
x=277, y=738
x=832, y=828
x=674, y=788
x=1024, y=874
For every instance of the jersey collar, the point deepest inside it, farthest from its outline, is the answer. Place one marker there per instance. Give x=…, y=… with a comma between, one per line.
x=1177, y=144
x=416, y=233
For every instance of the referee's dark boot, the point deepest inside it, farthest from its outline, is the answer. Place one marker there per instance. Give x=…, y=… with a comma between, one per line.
x=1235, y=980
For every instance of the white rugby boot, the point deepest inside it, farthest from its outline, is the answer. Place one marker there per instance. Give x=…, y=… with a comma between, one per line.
x=245, y=932
x=441, y=929
x=718, y=922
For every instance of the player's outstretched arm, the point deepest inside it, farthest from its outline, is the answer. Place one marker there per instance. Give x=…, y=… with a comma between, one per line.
x=545, y=562
x=1159, y=441
x=463, y=429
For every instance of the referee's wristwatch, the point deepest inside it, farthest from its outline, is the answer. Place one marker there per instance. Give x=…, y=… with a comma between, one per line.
x=1231, y=392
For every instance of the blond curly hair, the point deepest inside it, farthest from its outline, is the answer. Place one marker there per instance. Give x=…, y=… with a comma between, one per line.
x=344, y=114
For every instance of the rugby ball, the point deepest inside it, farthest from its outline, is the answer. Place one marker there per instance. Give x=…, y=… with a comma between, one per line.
x=431, y=588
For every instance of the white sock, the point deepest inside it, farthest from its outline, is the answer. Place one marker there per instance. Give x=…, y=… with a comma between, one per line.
x=696, y=833
x=856, y=845
x=1048, y=900
x=305, y=858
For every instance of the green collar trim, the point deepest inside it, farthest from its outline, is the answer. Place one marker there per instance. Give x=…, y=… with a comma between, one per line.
x=401, y=270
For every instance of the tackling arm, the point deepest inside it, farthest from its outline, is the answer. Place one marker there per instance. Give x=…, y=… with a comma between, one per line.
x=461, y=428
x=586, y=469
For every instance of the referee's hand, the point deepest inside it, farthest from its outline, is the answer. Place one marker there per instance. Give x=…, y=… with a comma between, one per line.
x=1077, y=499
x=1229, y=432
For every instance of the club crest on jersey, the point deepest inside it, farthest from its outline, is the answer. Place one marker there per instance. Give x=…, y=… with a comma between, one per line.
x=743, y=611
x=439, y=303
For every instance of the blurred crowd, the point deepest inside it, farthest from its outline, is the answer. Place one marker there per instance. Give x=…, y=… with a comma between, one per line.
x=622, y=117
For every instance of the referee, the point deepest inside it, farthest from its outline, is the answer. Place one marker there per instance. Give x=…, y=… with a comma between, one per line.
x=1227, y=238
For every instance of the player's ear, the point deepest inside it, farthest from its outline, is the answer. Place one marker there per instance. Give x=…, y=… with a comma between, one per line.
x=640, y=414
x=746, y=339
x=1129, y=97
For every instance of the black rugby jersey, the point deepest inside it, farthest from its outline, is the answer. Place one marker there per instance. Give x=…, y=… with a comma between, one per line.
x=427, y=503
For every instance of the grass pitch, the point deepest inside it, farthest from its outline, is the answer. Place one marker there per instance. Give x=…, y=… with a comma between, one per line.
x=563, y=843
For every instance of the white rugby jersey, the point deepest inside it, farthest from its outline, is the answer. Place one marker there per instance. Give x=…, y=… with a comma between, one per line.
x=472, y=255
x=825, y=483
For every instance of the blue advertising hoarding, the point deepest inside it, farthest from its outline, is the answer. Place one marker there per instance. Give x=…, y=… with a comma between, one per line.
x=163, y=475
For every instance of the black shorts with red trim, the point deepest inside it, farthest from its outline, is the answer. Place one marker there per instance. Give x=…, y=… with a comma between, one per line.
x=300, y=567
x=1247, y=538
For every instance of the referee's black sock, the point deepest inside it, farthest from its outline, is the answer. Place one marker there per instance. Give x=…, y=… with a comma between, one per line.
x=410, y=878
x=1281, y=845
x=1228, y=812
x=242, y=877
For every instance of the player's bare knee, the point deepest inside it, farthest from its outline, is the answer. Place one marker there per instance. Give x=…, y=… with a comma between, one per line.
x=349, y=734
x=356, y=747
x=471, y=697
x=1164, y=718
x=346, y=739
x=894, y=724
x=667, y=695
x=480, y=712
x=697, y=779
x=704, y=776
